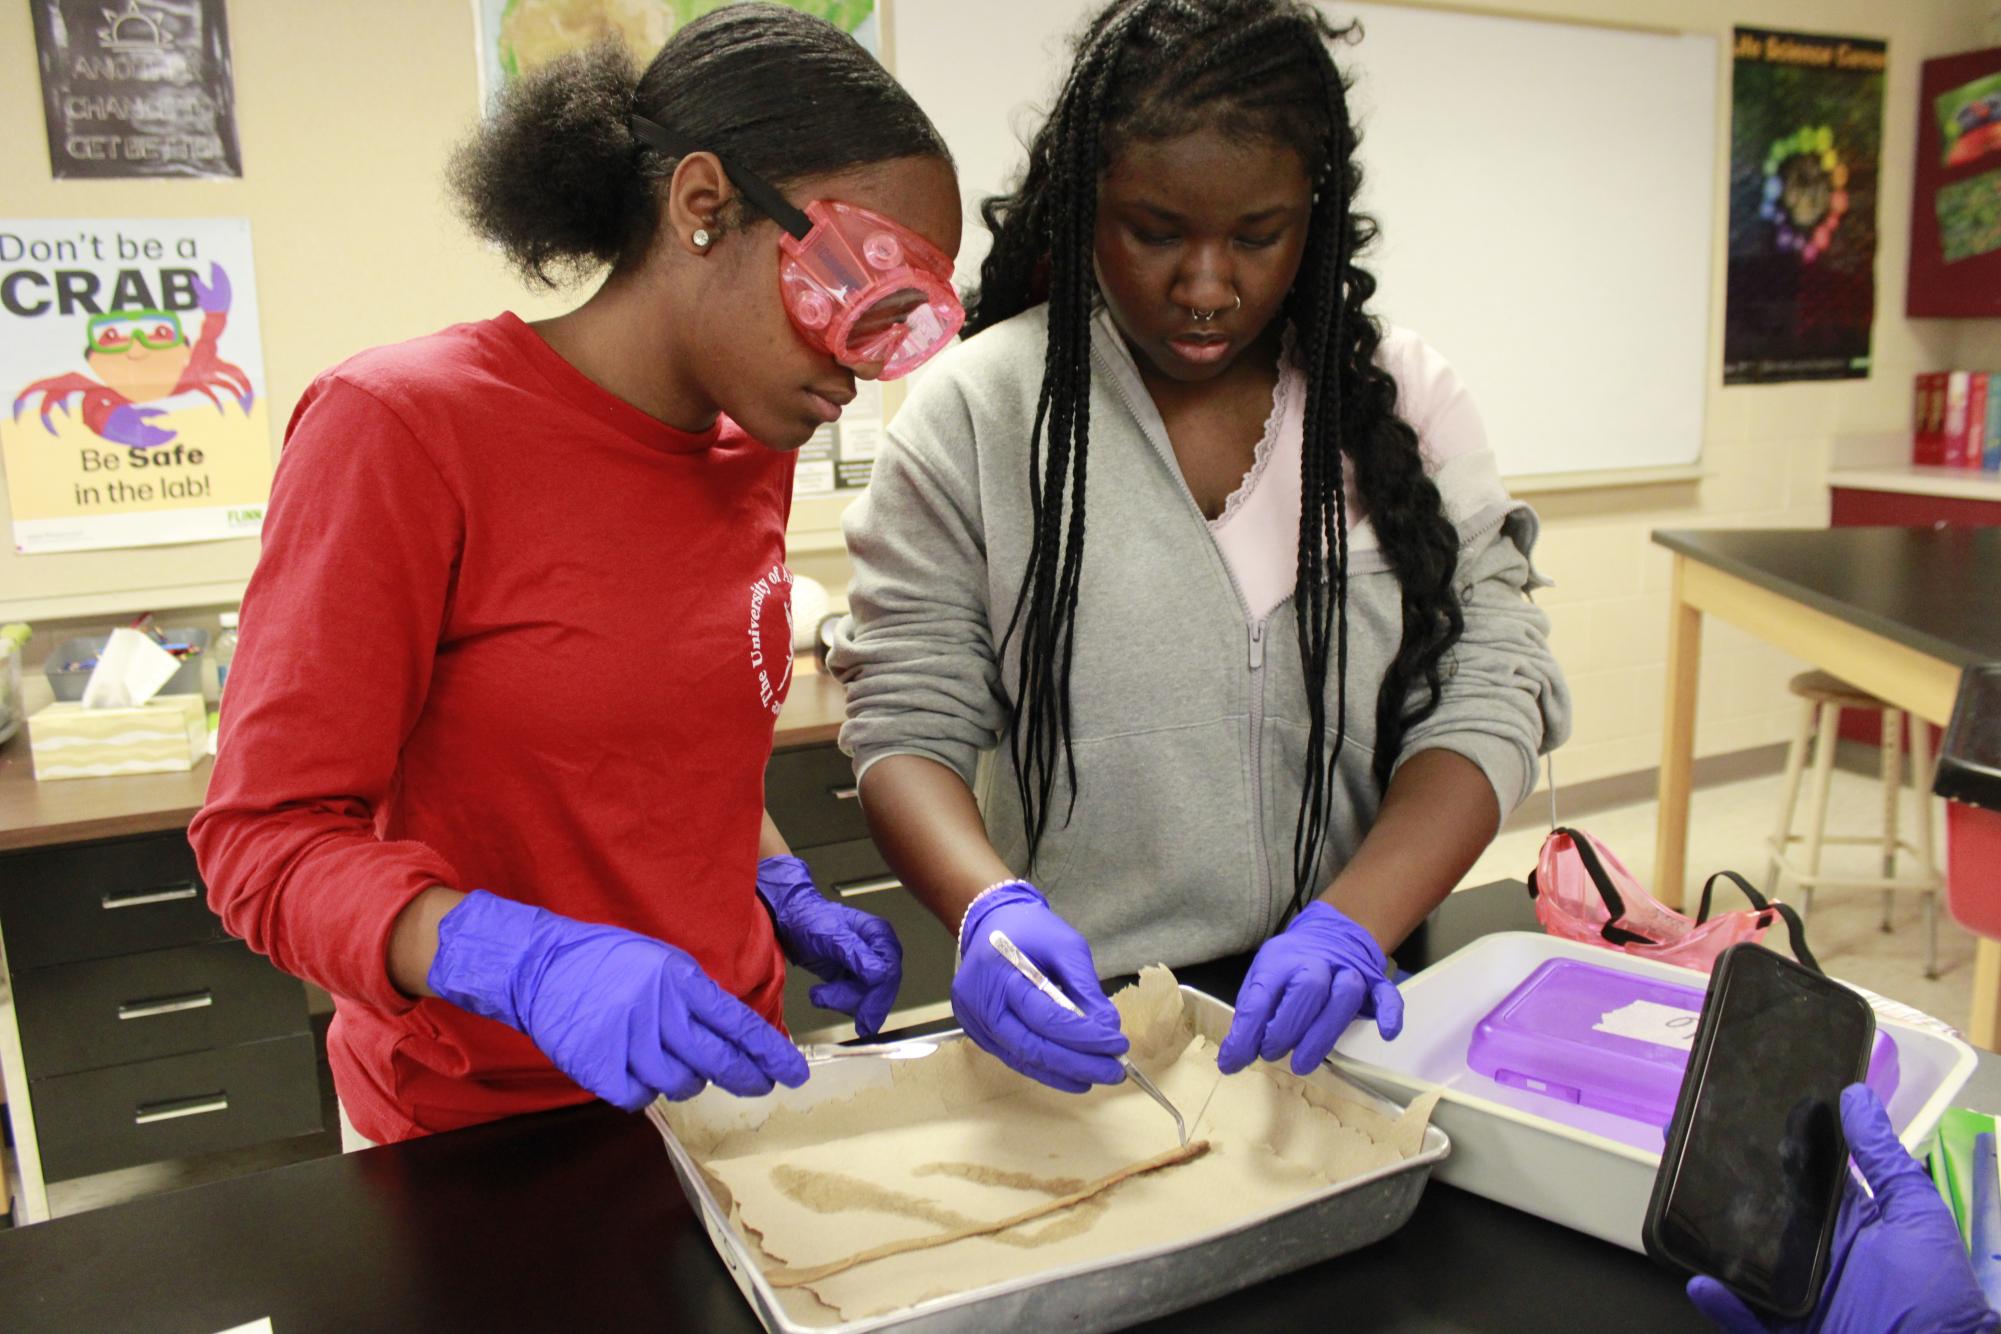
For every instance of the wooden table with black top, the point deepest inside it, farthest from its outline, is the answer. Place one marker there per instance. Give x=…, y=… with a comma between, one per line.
x=1900, y=612
x=573, y=1220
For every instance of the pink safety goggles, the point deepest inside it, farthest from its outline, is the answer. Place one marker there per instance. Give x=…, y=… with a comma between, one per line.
x=1583, y=892
x=858, y=285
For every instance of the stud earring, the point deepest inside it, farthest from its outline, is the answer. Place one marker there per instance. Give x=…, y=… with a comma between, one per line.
x=701, y=238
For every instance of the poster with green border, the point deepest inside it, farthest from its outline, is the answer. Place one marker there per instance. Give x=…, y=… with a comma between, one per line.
x=516, y=36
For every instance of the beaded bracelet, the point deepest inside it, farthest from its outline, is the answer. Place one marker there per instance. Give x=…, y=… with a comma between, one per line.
x=968, y=915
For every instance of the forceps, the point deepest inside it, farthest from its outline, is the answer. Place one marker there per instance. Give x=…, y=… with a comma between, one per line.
x=1026, y=967
x=888, y=1051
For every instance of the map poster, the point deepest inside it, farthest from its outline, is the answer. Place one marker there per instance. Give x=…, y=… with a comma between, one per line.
x=517, y=36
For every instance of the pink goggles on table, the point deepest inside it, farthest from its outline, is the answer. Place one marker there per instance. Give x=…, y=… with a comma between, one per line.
x=858, y=285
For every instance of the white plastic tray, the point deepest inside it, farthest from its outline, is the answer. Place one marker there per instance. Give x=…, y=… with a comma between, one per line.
x=1589, y=1170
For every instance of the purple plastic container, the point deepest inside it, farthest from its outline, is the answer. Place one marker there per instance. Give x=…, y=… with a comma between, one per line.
x=1601, y=1038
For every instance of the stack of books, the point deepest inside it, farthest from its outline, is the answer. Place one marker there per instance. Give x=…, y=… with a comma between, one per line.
x=1957, y=422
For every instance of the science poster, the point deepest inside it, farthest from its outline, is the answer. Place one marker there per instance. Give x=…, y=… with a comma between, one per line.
x=137, y=88
x=516, y=36
x=133, y=370
x=1806, y=127
x=1956, y=202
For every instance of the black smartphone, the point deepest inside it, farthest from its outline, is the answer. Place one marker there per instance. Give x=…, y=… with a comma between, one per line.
x=1751, y=1178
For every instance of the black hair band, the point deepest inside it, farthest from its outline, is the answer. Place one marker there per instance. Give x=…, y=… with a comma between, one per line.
x=756, y=190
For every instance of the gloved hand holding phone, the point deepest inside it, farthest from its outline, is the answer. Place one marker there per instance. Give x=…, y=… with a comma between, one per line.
x=1897, y=1263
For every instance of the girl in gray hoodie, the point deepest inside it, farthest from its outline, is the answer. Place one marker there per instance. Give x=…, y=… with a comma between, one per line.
x=1184, y=585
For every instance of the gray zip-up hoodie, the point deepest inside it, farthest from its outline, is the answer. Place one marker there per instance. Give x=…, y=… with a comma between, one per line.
x=1188, y=716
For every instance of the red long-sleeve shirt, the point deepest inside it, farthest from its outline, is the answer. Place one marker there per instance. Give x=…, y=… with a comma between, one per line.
x=508, y=632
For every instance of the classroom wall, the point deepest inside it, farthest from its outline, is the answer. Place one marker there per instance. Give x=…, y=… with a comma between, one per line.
x=346, y=112
x=1766, y=449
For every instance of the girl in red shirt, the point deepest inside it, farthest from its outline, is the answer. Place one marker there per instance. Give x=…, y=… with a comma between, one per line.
x=492, y=758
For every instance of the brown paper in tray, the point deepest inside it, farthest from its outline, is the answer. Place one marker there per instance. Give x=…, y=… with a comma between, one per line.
x=957, y=1139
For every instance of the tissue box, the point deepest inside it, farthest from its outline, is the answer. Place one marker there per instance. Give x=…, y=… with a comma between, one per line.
x=69, y=684
x=166, y=734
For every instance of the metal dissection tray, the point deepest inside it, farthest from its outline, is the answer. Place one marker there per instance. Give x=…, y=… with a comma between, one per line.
x=1107, y=1293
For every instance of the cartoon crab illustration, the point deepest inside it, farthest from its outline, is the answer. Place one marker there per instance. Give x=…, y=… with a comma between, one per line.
x=142, y=356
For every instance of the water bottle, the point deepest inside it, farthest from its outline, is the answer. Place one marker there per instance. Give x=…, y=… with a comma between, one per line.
x=13, y=639
x=223, y=650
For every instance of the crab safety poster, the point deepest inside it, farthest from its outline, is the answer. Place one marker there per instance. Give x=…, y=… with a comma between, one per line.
x=133, y=370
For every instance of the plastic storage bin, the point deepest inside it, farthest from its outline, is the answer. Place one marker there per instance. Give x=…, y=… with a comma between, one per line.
x=1579, y=1166
x=1599, y=1037
x=70, y=684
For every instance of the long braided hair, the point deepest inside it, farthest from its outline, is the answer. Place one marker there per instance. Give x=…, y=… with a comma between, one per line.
x=1259, y=71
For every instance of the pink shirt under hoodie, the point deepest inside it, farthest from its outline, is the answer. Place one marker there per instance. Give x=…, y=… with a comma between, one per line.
x=1258, y=530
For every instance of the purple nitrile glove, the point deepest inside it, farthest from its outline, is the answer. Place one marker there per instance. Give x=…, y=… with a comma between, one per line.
x=625, y=1015
x=857, y=955
x=128, y=425
x=1003, y=1012
x=1897, y=1262
x=1305, y=986
x=213, y=295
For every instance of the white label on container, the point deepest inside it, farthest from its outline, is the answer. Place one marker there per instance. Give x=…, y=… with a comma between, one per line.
x=1650, y=1021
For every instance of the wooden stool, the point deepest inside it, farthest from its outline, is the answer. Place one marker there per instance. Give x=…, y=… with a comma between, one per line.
x=1823, y=698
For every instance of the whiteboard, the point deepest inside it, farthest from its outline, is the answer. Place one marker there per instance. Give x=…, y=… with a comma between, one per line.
x=1546, y=192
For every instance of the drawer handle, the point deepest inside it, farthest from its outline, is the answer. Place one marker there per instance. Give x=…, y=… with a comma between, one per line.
x=848, y=793
x=174, y=1108
x=186, y=889
x=849, y=889
x=146, y=1009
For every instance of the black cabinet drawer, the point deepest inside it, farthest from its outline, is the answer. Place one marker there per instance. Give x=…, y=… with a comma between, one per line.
x=852, y=871
x=855, y=873
x=105, y=1119
x=97, y=900
x=810, y=793
x=84, y=1016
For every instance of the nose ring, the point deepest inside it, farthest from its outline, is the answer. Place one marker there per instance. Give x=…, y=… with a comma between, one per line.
x=1204, y=316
